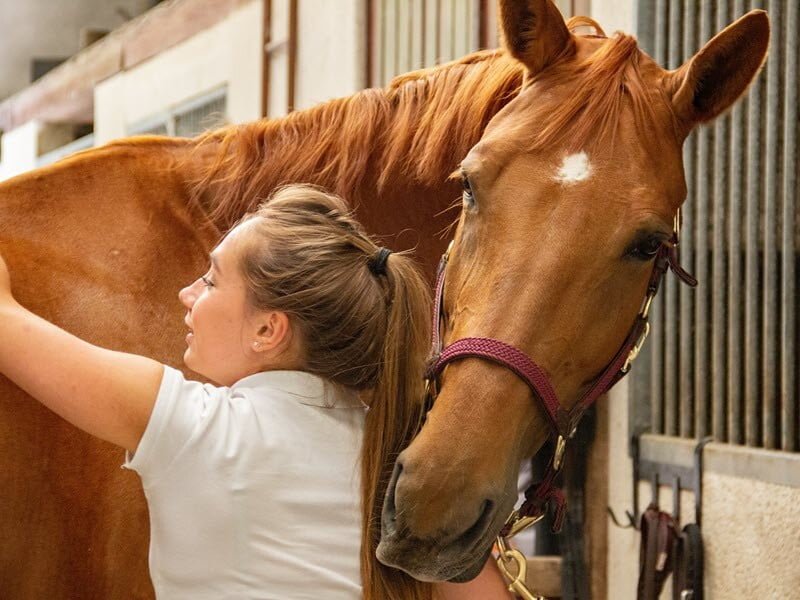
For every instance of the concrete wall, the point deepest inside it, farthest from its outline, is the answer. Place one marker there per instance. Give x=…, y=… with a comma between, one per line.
x=331, y=40
x=225, y=55
x=20, y=148
x=50, y=29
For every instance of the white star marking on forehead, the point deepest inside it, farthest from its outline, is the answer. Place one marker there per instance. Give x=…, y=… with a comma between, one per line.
x=575, y=168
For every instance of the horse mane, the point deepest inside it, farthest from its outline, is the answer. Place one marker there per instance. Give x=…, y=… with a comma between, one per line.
x=415, y=125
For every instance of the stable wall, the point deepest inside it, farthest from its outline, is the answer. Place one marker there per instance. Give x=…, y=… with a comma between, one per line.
x=228, y=54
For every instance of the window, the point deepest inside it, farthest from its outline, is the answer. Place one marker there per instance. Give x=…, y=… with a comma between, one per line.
x=188, y=119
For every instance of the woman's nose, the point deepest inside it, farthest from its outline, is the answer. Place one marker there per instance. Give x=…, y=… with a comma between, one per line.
x=188, y=295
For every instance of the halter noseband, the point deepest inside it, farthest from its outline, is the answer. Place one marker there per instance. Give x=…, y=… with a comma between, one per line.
x=563, y=421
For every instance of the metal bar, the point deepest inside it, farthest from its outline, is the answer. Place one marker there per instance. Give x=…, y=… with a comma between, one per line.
x=423, y=52
x=657, y=365
x=719, y=418
x=789, y=251
x=736, y=171
x=402, y=25
x=752, y=332
x=661, y=32
x=770, y=285
x=657, y=374
x=687, y=245
x=671, y=415
x=645, y=26
x=704, y=191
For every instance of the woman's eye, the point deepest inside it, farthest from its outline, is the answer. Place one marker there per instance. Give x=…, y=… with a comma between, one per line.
x=647, y=249
x=206, y=281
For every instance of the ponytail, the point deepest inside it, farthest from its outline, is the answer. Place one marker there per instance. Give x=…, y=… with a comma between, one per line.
x=394, y=416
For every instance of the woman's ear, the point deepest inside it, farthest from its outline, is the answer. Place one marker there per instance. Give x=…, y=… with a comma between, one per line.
x=274, y=332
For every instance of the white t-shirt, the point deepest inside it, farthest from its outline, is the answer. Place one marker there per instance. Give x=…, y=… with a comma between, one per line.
x=253, y=490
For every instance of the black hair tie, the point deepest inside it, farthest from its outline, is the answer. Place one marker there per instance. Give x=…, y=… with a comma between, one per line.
x=377, y=262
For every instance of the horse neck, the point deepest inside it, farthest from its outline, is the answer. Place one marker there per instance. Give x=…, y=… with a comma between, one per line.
x=389, y=150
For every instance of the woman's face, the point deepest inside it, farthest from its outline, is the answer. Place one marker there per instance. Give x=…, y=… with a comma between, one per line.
x=221, y=328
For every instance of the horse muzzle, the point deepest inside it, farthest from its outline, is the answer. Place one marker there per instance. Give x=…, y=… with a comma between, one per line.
x=435, y=539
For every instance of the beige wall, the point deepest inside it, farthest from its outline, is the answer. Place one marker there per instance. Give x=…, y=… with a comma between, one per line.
x=225, y=55
x=329, y=59
x=20, y=148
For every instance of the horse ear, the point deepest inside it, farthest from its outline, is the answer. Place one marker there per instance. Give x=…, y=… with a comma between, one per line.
x=716, y=76
x=534, y=32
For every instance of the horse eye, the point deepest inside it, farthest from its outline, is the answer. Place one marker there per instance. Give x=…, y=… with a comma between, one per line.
x=467, y=195
x=646, y=249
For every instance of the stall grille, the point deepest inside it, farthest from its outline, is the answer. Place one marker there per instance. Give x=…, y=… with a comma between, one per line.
x=723, y=357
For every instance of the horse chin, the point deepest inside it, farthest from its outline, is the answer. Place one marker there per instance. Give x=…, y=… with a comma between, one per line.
x=463, y=566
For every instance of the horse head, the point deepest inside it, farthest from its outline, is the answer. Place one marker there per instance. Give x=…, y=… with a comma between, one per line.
x=569, y=196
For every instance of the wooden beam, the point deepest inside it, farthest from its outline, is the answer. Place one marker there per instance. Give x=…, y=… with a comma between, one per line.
x=596, y=502
x=66, y=94
x=544, y=576
x=292, y=56
x=172, y=23
x=266, y=57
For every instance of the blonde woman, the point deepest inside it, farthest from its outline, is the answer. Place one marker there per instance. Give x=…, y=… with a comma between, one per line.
x=257, y=485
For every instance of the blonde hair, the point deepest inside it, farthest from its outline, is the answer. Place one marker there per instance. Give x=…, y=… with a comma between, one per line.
x=307, y=256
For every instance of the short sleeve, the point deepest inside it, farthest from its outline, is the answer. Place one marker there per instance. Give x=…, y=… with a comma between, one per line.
x=181, y=408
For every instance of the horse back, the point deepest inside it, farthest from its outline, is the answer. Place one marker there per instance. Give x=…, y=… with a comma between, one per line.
x=99, y=244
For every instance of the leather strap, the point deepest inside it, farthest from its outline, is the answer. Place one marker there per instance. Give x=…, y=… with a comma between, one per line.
x=687, y=575
x=655, y=552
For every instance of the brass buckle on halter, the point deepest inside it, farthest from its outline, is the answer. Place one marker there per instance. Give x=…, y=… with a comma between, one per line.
x=637, y=348
x=518, y=524
x=646, y=306
x=558, y=457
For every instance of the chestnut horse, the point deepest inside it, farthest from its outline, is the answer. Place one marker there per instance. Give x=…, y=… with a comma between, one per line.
x=101, y=242
x=568, y=197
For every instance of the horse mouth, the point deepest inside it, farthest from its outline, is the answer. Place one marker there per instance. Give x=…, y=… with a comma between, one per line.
x=446, y=557
x=425, y=563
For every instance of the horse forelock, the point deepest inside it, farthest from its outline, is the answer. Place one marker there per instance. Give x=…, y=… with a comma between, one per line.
x=596, y=90
x=420, y=125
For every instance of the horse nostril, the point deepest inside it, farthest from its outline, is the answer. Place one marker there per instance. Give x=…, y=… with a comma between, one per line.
x=389, y=510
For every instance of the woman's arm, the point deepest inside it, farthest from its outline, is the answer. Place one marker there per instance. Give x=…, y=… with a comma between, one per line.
x=488, y=585
x=107, y=394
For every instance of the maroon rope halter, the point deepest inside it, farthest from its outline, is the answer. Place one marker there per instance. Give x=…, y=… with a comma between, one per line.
x=563, y=421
